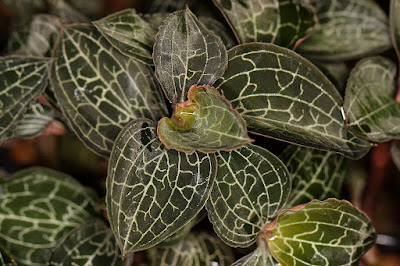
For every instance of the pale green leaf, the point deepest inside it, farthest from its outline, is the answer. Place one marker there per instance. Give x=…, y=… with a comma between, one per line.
x=282, y=95
x=152, y=192
x=67, y=13
x=259, y=257
x=22, y=80
x=186, y=53
x=251, y=187
x=35, y=38
x=130, y=33
x=370, y=107
x=89, y=244
x=330, y=232
x=395, y=151
x=314, y=174
x=99, y=89
x=271, y=21
x=196, y=249
x=206, y=122
x=347, y=29
x=37, y=207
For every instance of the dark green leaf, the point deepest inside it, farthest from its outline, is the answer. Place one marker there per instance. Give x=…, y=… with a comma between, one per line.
x=186, y=53
x=282, y=95
x=206, y=122
x=336, y=72
x=130, y=33
x=259, y=257
x=369, y=104
x=99, y=89
x=251, y=187
x=38, y=206
x=314, y=174
x=347, y=29
x=91, y=243
x=330, y=232
x=272, y=21
x=152, y=192
x=22, y=80
x=196, y=249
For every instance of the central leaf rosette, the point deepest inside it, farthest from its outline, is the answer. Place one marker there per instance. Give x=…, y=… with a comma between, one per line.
x=206, y=122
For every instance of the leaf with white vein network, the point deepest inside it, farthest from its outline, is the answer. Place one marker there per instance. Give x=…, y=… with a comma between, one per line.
x=259, y=257
x=38, y=207
x=206, y=122
x=22, y=80
x=330, y=232
x=153, y=192
x=315, y=174
x=395, y=151
x=282, y=95
x=251, y=187
x=186, y=53
x=369, y=103
x=196, y=249
x=347, y=29
x=36, y=38
x=271, y=21
x=130, y=33
x=99, y=89
x=91, y=243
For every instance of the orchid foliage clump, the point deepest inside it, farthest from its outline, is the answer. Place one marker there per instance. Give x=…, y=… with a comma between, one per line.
x=176, y=98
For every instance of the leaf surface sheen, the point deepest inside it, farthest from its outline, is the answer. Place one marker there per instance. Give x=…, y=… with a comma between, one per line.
x=101, y=90
x=270, y=21
x=38, y=207
x=347, y=29
x=251, y=187
x=315, y=174
x=370, y=107
x=282, y=95
x=153, y=192
x=330, y=232
x=206, y=123
x=186, y=53
x=22, y=80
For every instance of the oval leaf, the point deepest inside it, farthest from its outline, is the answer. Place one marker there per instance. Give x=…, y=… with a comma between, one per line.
x=91, y=243
x=130, y=33
x=314, y=174
x=38, y=206
x=152, y=192
x=22, y=80
x=99, y=89
x=369, y=104
x=347, y=29
x=186, y=53
x=282, y=95
x=197, y=249
x=259, y=257
x=251, y=187
x=206, y=122
x=271, y=21
x=331, y=232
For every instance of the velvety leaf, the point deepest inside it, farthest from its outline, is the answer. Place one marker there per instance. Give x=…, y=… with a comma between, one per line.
x=38, y=207
x=282, y=95
x=35, y=38
x=186, y=53
x=5, y=257
x=347, y=29
x=130, y=33
x=67, y=13
x=395, y=151
x=91, y=243
x=272, y=21
x=24, y=8
x=370, y=107
x=219, y=29
x=331, y=232
x=314, y=174
x=196, y=249
x=259, y=257
x=251, y=187
x=99, y=89
x=33, y=121
x=152, y=192
x=206, y=122
x=22, y=80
